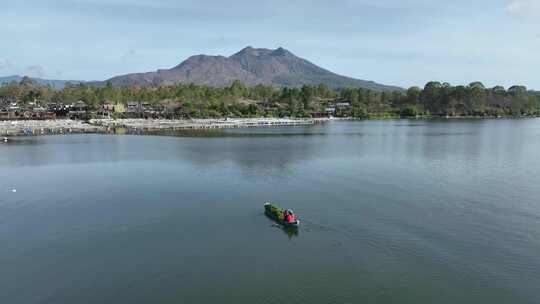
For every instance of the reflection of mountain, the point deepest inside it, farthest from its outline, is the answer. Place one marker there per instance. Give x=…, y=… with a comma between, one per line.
x=263, y=154
x=36, y=151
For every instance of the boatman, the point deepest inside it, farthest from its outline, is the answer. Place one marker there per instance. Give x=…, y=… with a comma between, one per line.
x=290, y=216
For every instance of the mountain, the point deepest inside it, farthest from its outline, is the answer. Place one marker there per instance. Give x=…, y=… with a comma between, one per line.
x=57, y=84
x=251, y=66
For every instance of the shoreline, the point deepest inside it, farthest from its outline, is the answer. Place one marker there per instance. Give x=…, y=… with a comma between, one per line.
x=9, y=128
x=46, y=127
x=196, y=124
x=109, y=126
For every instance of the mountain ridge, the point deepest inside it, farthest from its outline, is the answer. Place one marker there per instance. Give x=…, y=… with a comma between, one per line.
x=251, y=66
x=55, y=83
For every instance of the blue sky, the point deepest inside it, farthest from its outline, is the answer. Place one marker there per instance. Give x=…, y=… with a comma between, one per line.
x=396, y=42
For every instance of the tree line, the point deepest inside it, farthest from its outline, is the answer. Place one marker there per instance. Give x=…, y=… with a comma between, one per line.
x=238, y=100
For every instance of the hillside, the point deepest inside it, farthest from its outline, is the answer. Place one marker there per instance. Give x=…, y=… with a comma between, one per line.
x=251, y=66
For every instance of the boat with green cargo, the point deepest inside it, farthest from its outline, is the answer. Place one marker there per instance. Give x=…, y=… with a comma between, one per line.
x=283, y=217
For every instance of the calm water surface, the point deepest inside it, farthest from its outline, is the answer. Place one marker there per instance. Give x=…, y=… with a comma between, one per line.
x=393, y=212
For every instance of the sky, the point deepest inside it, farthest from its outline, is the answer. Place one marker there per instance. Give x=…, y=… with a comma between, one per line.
x=396, y=42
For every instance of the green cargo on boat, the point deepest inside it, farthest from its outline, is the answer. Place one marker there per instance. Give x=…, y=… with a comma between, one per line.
x=278, y=215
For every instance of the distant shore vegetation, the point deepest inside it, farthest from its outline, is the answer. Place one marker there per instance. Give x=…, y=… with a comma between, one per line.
x=237, y=100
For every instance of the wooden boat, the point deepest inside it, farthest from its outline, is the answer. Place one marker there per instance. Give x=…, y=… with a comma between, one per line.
x=278, y=215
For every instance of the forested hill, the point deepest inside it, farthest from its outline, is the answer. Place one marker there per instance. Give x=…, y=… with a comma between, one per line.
x=473, y=100
x=181, y=100
x=250, y=66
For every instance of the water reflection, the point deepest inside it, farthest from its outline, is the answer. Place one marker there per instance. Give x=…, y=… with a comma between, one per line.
x=177, y=213
x=252, y=152
x=61, y=149
x=276, y=151
x=291, y=232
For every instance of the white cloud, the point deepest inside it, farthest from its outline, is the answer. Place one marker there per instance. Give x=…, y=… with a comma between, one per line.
x=5, y=64
x=34, y=71
x=524, y=8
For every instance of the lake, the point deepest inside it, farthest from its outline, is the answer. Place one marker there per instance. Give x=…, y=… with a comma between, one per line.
x=392, y=212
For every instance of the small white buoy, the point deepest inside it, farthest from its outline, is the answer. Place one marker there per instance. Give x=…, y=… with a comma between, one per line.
x=14, y=190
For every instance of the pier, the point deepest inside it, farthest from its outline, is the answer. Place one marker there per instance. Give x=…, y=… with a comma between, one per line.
x=46, y=127
x=67, y=126
x=171, y=125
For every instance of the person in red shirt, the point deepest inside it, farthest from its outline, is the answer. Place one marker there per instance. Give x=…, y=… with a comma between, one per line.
x=289, y=216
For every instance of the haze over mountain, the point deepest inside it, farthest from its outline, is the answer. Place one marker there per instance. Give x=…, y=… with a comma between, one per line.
x=55, y=83
x=251, y=66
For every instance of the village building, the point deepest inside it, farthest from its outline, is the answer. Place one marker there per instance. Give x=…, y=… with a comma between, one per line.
x=108, y=107
x=79, y=106
x=343, y=105
x=142, y=109
x=78, y=110
x=119, y=108
x=133, y=107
